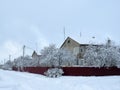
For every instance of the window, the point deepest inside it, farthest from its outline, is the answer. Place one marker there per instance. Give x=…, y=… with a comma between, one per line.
x=81, y=50
x=68, y=41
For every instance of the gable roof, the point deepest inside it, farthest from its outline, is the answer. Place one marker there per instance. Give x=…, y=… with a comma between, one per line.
x=68, y=38
x=34, y=53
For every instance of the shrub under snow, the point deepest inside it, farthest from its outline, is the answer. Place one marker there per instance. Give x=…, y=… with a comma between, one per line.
x=54, y=72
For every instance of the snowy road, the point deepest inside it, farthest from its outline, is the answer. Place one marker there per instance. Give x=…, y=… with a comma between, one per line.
x=10, y=80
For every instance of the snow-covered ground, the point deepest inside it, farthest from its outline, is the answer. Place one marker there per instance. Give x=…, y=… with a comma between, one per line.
x=11, y=80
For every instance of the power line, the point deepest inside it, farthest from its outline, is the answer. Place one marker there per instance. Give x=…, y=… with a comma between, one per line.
x=30, y=48
x=21, y=51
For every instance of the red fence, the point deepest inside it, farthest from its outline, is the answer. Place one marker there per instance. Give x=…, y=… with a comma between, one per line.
x=37, y=70
x=90, y=71
x=75, y=71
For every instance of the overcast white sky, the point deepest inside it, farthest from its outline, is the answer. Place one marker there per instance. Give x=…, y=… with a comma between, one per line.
x=37, y=23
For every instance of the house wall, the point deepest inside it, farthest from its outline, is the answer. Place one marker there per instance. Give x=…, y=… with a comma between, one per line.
x=82, y=50
x=72, y=46
x=77, y=49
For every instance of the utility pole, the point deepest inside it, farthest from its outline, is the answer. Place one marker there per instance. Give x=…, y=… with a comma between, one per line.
x=9, y=57
x=23, y=50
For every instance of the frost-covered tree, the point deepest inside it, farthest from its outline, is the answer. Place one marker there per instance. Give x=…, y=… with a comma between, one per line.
x=23, y=61
x=8, y=65
x=53, y=57
x=47, y=56
x=102, y=56
x=65, y=58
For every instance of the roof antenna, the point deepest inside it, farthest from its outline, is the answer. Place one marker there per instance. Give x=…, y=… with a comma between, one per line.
x=64, y=33
x=80, y=34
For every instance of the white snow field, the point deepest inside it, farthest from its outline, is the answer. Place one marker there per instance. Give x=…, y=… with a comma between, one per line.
x=11, y=80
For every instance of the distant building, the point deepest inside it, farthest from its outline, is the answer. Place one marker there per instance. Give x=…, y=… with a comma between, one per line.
x=35, y=56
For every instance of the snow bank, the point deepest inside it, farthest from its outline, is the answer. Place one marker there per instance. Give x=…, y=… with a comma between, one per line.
x=11, y=80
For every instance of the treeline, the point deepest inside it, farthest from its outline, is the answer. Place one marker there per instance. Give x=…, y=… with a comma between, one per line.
x=106, y=55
